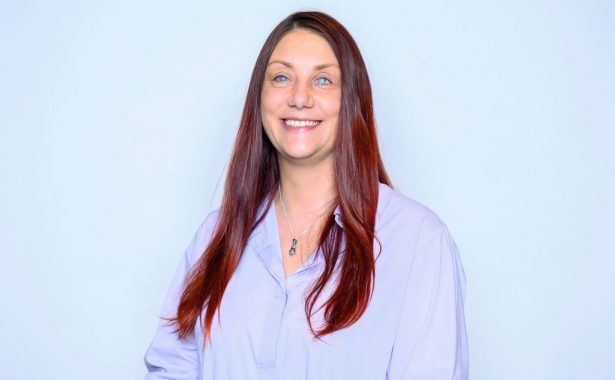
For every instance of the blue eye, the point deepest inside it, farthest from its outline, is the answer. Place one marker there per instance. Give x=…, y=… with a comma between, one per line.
x=280, y=78
x=322, y=81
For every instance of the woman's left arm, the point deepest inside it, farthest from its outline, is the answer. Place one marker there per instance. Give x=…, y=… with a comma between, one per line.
x=169, y=357
x=431, y=341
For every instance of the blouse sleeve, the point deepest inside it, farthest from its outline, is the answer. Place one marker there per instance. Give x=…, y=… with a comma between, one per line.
x=168, y=357
x=431, y=341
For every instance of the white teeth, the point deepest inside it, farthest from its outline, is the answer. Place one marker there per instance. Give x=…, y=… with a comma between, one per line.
x=301, y=123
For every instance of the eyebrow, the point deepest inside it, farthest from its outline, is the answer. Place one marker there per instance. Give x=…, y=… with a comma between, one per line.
x=317, y=67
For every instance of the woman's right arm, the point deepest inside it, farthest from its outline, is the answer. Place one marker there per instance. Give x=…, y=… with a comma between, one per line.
x=168, y=357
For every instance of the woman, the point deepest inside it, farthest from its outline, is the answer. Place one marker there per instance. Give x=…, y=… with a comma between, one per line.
x=313, y=267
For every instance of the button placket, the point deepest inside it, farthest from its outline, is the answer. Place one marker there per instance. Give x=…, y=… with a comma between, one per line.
x=271, y=331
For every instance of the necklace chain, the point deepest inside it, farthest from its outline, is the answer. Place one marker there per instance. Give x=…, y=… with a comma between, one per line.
x=295, y=240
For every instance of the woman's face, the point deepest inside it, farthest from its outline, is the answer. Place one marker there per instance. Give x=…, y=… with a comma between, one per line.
x=301, y=97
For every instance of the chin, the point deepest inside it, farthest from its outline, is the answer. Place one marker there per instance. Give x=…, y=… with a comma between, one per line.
x=294, y=155
x=311, y=155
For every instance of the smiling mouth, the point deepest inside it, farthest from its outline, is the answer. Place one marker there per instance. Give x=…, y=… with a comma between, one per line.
x=301, y=123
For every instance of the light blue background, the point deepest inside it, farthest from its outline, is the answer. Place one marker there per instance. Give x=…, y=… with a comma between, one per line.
x=117, y=119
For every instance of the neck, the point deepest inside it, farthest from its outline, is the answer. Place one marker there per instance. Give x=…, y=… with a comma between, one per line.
x=307, y=189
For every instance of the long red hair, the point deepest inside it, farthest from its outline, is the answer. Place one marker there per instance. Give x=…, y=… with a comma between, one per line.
x=253, y=178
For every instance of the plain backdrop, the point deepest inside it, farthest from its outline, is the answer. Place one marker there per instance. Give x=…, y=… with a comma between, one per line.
x=117, y=119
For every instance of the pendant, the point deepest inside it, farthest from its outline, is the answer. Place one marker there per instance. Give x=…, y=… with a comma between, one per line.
x=293, y=248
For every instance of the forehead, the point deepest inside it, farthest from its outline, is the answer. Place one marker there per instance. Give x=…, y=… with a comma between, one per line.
x=303, y=45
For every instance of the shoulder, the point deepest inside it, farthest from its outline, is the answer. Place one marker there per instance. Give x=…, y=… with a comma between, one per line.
x=400, y=211
x=203, y=236
x=415, y=234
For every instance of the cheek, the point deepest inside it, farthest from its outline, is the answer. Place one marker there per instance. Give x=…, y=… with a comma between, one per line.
x=332, y=105
x=268, y=114
x=271, y=100
x=266, y=110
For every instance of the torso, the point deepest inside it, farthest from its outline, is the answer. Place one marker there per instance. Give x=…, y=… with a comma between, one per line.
x=263, y=331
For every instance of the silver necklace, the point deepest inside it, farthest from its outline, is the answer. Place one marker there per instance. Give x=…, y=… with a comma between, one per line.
x=295, y=240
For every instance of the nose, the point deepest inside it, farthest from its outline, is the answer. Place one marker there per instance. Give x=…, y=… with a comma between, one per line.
x=301, y=96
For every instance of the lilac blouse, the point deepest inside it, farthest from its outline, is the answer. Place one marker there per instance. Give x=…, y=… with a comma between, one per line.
x=413, y=328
